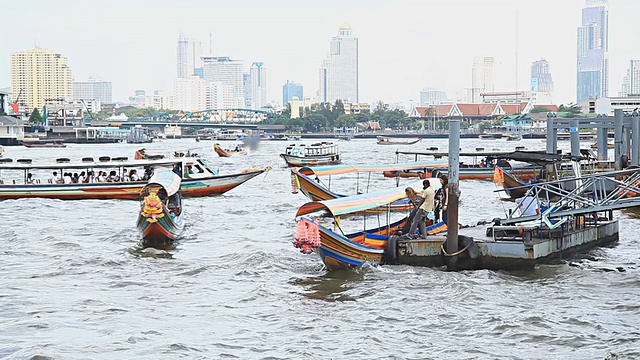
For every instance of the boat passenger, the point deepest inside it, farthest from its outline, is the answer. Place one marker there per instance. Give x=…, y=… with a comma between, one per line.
x=113, y=177
x=482, y=163
x=75, y=178
x=67, y=178
x=55, y=179
x=102, y=176
x=133, y=176
x=442, y=198
x=29, y=178
x=176, y=169
x=425, y=210
x=414, y=199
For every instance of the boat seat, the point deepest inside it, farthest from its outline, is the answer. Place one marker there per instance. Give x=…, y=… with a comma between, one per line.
x=87, y=159
x=122, y=158
x=62, y=160
x=6, y=160
x=375, y=240
x=24, y=161
x=104, y=158
x=154, y=157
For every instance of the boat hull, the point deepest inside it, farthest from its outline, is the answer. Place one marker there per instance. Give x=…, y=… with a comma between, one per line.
x=223, y=153
x=389, y=141
x=190, y=187
x=161, y=233
x=311, y=161
x=467, y=173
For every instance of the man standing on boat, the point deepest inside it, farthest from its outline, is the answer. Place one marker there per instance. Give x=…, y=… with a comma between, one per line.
x=425, y=208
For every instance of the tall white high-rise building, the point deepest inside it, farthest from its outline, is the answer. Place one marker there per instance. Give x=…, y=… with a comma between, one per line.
x=431, y=96
x=483, y=77
x=541, y=80
x=339, y=71
x=40, y=74
x=631, y=83
x=183, y=57
x=258, y=85
x=593, y=51
x=190, y=94
x=92, y=89
x=228, y=72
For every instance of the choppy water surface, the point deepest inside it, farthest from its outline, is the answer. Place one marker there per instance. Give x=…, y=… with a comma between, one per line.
x=73, y=285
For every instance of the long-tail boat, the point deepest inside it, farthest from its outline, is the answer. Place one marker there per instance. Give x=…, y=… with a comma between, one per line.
x=385, y=140
x=198, y=178
x=227, y=152
x=308, y=179
x=339, y=250
x=161, y=217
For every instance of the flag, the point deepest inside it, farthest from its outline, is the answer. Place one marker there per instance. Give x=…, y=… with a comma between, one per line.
x=15, y=108
x=498, y=176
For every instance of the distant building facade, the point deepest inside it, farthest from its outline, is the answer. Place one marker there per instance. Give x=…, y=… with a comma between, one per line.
x=92, y=89
x=190, y=94
x=246, y=84
x=258, y=85
x=229, y=73
x=483, y=77
x=631, y=83
x=431, y=96
x=189, y=57
x=593, y=51
x=40, y=74
x=339, y=71
x=289, y=90
x=541, y=80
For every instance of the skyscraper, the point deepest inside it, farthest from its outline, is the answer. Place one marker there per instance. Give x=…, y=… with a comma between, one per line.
x=541, y=80
x=339, y=71
x=183, y=56
x=230, y=74
x=631, y=83
x=289, y=90
x=92, y=89
x=593, y=51
x=431, y=96
x=483, y=76
x=40, y=74
x=258, y=85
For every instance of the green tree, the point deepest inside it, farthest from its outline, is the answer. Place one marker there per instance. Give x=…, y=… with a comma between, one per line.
x=286, y=112
x=345, y=120
x=35, y=117
x=315, y=122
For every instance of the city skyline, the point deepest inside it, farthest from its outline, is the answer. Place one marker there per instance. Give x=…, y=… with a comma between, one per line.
x=400, y=52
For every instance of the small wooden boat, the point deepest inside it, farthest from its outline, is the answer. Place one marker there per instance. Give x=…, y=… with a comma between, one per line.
x=228, y=152
x=338, y=250
x=161, y=217
x=488, y=137
x=384, y=140
x=314, y=189
x=324, y=153
x=43, y=143
x=513, y=137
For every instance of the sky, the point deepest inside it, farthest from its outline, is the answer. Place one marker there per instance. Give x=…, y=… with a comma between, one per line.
x=404, y=45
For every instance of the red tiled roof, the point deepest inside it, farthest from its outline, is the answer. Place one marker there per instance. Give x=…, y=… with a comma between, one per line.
x=510, y=109
x=440, y=110
x=477, y=109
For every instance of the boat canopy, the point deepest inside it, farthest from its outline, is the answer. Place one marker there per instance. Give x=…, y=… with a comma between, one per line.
x=347, y=169
x=520, y=155
x=169, y=180
x=362, y=202
x=90, y=164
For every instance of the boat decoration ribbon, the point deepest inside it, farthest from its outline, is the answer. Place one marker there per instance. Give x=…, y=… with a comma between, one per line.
x=307, y=236
x=152, y=208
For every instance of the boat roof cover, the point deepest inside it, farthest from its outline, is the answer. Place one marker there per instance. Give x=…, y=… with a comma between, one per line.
x=362, y=202
x=346, y=169
x=520, y=155
x=169, y=180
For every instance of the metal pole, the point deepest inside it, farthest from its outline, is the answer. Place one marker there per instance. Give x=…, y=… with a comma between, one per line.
x=575, y=137
x=617, y=135
x=454, y=192
x=602, y=143
x=551, y=137
x=635, y=143
x=626, y=140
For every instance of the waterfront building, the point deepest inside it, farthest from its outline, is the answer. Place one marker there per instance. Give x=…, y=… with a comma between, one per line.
x=289, y=90
x=160, y=100
x=431, y=96
x=483, y=77
x=593, y=51
x=357, y=108
x=631, y=83
x=228, y=72
x=190, y=94
x=92, y=89
x=258, y=85
x=40, y=74
x=11, y=130
x=246, y=84
x=516, y=97
x=64, y=113
x=339, y=71
x=541, y=80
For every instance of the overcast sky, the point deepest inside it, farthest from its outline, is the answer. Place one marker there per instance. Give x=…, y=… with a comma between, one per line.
x=405, y=45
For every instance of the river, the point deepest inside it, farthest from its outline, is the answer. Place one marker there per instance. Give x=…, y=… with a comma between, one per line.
x=74, y=285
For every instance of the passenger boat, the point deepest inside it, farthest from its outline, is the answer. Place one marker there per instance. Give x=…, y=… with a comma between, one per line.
x=324, y=153
x=487, y=137
x=338, y=250
x=198, y=178
x=384, y=140
x=228, y=152
x=303, y=180
x=230, y=134
x=43, y=143
x=161, y=217
x=513, y=137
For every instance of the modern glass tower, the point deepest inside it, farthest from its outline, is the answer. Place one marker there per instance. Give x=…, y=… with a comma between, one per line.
x=339, y=71
x=593, y=51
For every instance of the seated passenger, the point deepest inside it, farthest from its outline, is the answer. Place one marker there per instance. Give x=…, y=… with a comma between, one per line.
x=29, y=178
x=133, y=176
